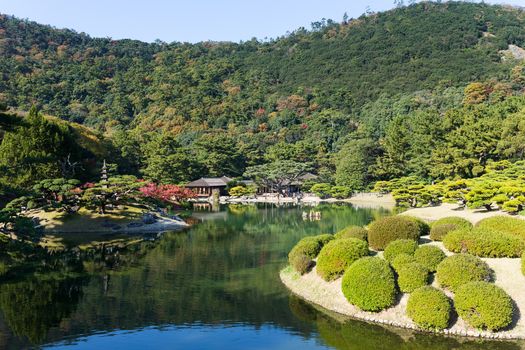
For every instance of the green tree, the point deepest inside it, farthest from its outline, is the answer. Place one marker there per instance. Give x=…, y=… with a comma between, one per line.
x=276, y=175
x=166, y=161
x=220, y=155
x=353, y=164
x=117, y=190
x=32, y=152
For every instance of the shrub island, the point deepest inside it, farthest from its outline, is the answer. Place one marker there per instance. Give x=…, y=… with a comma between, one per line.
x=393, y=279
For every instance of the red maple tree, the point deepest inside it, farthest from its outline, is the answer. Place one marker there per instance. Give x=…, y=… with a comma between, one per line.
x=166, y=193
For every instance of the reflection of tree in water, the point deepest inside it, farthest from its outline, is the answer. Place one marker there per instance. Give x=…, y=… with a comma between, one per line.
x=357, y=335
x=31, y=308
x=223, y=270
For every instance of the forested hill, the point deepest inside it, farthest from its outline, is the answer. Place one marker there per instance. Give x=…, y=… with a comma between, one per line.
x=106, y=83
x=424, y=91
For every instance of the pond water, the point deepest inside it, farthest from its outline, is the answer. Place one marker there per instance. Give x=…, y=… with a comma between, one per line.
x=214, y=286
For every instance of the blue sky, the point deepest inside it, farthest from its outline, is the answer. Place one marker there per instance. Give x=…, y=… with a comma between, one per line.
x=189, y=20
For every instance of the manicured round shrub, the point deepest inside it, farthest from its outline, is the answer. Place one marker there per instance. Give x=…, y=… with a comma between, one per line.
x=369, y=284
x=391, y=228
x=301, y=263
x=401, y=260
x=412, y=276
x=459, y=269
x=424, y=228
x=438, y=232
x=324, y=238
x=302, y=254
x=484, y=243
x=505, y=224
x=308, y=246
x=429, y=308
x=429, y=256
x=443, y=226
x=353, y=232
x=337, y=255
x=400, y=246
x=484, y=305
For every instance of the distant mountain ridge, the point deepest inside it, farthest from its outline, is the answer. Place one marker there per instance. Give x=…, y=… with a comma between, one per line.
x=108, y=83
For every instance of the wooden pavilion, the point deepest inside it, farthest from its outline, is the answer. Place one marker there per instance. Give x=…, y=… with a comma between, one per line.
x=207, y=186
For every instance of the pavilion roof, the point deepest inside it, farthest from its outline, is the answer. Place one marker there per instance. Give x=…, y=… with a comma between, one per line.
x=210, y=182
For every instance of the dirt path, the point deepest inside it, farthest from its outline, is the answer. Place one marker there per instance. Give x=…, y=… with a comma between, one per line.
x=444, y=210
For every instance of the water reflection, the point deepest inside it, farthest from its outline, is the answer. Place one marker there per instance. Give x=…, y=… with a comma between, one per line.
x=215, y=282
x=356, y=335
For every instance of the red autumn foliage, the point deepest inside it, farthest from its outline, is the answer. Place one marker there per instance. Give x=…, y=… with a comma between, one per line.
x=166, y=193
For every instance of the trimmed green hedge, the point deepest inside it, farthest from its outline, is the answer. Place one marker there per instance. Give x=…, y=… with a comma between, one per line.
x=353, y=232
x=302, y=254
x=391, y=228
x=445, y=225
x=324, y=238
x=400, y=246
x=505, y=224
x=369, y=284
x=429, y=256
x=337, y=255
x=412, y=276
x=484, y=243
x=424, y=228
x=401, y=260
x=484, y=305
x=460, y=269
x=429, y=308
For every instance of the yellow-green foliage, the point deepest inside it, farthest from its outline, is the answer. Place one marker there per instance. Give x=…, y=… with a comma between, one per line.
x=391, y=228
x=504, y=224
x=429, y=308
x=424, y=228
x=401, y=260
x=484, y=305
x=497, y=183
x=459, y=269
x=337, y=255
x=484, y=243
x=353, y=232
x=400, y=246
x=239, y=191
x=412, y=276
x=443, y=226
x=369, y=284
x=429, y=256
x=302, y=254
x=87, y=138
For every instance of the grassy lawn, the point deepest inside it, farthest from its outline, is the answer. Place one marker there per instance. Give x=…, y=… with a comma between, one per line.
x=84, y=226
x=85, y=220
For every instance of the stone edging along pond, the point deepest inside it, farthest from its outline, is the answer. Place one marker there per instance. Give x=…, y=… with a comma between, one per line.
x=329, y=296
